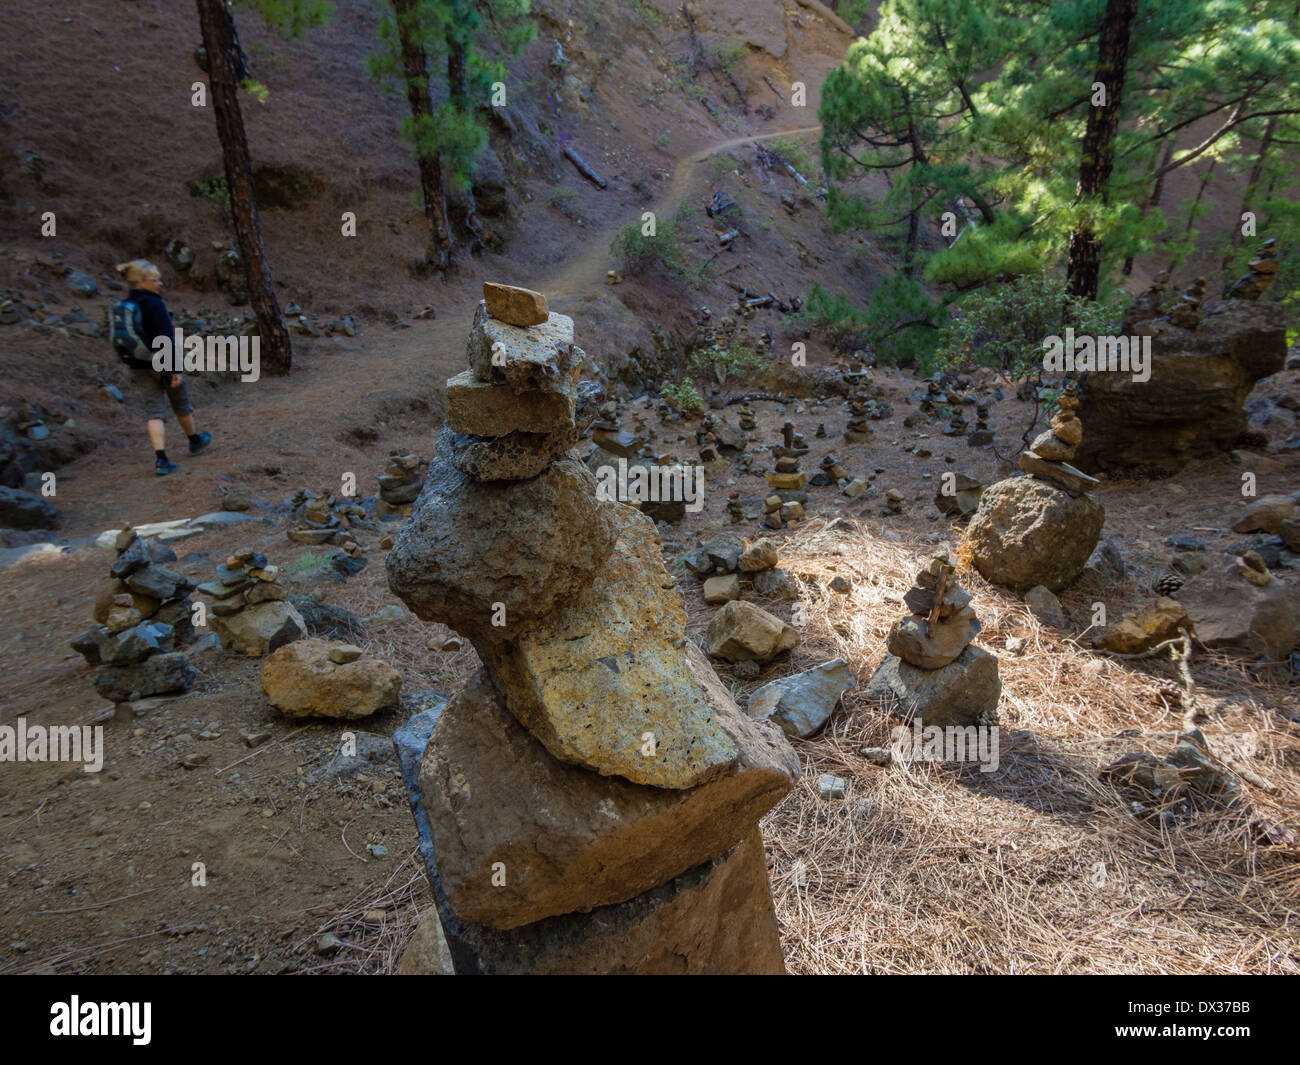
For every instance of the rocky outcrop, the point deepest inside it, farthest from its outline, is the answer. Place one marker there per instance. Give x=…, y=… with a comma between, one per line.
x=1192, y=405
x=596, y=763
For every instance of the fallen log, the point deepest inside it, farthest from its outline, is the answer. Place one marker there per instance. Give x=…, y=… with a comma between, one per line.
x=583, y=168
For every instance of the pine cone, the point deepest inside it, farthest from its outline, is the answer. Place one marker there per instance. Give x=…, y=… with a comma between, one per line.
x=1169, y=583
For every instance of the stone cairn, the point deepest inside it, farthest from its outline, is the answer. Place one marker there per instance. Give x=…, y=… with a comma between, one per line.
x=322, y=518
x=784, y=507
x=933, y=673
x=589, y=801
x=1263, y=272
x=1043, y=528
x=400, y=484
x=251, y=611
x=142, y=619
x=856, y=429
x=1186, y=313
x=981, y=434
x=748, y=423
x=1049, y=455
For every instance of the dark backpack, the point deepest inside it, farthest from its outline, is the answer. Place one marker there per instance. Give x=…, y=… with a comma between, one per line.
x=126, y=331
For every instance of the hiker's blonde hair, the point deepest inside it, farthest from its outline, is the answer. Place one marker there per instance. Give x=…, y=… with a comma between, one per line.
x=138, y=270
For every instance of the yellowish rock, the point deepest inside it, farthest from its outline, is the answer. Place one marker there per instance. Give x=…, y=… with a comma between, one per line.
x=1141, y=631
x=300, y=680
x=516, y=306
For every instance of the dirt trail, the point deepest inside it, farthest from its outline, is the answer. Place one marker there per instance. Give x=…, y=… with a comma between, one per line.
x=587, y=271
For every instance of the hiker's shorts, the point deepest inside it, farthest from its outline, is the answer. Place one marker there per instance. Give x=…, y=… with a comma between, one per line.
x=152, y=397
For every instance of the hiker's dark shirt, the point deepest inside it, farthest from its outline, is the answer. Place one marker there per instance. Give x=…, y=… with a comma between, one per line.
x=154, y=320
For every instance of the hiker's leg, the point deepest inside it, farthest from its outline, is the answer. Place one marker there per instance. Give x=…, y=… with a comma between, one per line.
x=157, y=433
x=187, y=423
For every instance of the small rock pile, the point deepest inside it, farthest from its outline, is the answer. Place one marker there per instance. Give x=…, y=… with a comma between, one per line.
x=322, y=518
x=142, y=620
x=785, y=506
x=1048, y=457
x=982, y=434
x=251, y=611
x=1263, y=272
x=400, y=484
x=1186, y=313
x=748, y=423
x=596, y=762
x=933, y=673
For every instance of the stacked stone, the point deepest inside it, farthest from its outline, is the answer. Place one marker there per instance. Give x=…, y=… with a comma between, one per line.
x=400, y=484
x=1186, y=313
x=1048, y=456
x=933, y=672
x=748, y=422
x=321, y=518
x=251, y=611
x=957, y=424
x=981, y=434
x=785, y=506
x=595, y=762
x=856, y=430
x=142, y=620
x=1263, y=272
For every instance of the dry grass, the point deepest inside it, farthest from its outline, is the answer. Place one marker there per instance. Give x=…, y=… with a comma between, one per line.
x=1037, y=867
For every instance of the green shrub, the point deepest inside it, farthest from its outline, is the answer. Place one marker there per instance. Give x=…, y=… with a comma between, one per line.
x=636, y=252
x=683, y=395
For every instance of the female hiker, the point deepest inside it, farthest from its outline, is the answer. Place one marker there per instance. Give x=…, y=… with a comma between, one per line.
x=156, y=390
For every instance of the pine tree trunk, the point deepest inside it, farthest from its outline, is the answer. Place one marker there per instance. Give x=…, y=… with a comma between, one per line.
x=1252, y=186
x=458, y=91
x=225, y=68
x=415, y=73
x=1157, y=191
x=1084, y=270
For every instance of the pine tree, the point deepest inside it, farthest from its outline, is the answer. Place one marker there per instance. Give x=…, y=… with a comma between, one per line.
x=226, y=73
x=446, y=139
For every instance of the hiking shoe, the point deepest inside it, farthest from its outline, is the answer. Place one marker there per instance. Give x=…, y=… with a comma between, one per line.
x=203, y=441
x=164, y=467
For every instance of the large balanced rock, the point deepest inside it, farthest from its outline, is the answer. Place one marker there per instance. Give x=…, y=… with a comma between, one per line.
x=965, y=692
x=1192, y=405
x=716, y=918
x=1028, y=532
x=605, y=680
x=303, y=679
x=492, y=792
x=1242, y=608
x=529, y=360
x=526, y=545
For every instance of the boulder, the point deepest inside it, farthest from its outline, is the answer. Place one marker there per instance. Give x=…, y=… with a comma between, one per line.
x=1241, y=608
x=802, y=703
x=1045, y=606
x=527, y=545
x=568, y=839
x=964, y=692
x=716, y=918
x=722, y=589
x=1147, y=628
x=605, y=682
x=776, y=584
x=742, y=631
x=760, y=555
x=302, y=679
x=261, y=628
x=1028, y=532
x=1265, y=515
x=20, y=509
x=156, y=675
x=1192, y=405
